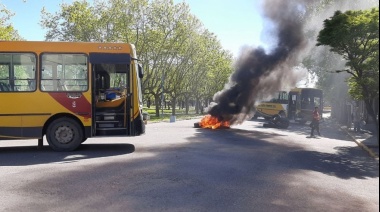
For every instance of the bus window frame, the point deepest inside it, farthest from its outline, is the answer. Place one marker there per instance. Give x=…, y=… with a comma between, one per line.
x=312, y=95
x=11, y=71
x=88, y=72
x=281, y=98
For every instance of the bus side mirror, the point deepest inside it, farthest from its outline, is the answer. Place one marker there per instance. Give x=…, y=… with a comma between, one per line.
x=141, y=71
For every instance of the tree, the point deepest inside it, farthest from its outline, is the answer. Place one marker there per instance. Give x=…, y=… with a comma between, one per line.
x=209, y=69
x=7, y=31
x=171, y=43
x=355, y=36
x=319, y=61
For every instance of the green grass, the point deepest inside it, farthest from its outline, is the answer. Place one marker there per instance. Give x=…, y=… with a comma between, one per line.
x=180, y=115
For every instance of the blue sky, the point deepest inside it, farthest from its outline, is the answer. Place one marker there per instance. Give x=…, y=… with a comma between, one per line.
x=235, y=23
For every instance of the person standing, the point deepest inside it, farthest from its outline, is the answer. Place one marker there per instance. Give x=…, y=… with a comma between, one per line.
x=315, y=122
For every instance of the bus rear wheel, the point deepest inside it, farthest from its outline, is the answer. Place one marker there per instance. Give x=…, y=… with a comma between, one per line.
x=64, y=134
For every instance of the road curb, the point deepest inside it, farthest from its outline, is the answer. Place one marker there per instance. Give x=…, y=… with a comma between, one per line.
x=363, y=146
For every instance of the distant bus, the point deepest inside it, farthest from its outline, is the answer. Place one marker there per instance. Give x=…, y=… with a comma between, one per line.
x=296, y=105
x=69, y=92
x=277, y=105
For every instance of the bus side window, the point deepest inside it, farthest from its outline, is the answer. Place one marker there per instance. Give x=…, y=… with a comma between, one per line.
x=4, y=87
x=15, y=71
x=294, y=99
x=32, y=84
x=317, y=101
x=64, y=72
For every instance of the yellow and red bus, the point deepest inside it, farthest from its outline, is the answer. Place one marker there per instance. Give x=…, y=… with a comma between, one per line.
x=297, y=104
x=69, y=91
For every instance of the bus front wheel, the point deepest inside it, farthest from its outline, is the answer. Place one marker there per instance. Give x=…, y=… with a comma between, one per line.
x=64, y=134
x=282, y=113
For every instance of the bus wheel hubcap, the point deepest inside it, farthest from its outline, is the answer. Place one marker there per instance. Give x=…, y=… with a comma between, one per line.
x=64, y=134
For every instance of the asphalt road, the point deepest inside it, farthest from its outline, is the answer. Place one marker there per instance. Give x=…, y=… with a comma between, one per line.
x=176, y=167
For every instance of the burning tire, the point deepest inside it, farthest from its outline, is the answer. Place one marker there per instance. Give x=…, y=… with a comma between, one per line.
x=277, y=122
x=211, y=122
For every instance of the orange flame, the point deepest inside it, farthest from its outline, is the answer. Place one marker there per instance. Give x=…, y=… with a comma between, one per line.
x=209, y=121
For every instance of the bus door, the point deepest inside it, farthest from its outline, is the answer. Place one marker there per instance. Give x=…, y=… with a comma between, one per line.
x=292, y=105
x=315, y=97
x=111, y=94
x=310, y=98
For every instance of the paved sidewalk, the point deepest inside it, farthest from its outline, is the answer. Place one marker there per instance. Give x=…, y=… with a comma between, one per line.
x=366, y=139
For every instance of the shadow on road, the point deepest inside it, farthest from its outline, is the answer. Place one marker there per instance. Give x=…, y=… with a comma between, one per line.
x=30, y=155
x=345, y=162
x=328, y=129
x=211, y=170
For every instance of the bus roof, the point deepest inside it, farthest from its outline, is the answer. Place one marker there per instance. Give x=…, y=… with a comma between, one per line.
x=299, y=89
x=50, y=46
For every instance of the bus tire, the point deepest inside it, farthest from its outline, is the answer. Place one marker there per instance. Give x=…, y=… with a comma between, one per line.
x=283, y=123
x=64, y=134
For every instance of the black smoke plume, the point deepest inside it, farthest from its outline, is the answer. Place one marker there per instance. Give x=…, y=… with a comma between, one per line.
x=258, y=73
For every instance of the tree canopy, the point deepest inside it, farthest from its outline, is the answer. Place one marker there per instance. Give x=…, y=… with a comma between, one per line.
x=355, y=36
x=177, y=52
x=7, y=31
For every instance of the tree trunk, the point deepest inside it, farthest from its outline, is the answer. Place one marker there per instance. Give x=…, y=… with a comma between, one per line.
x=157, y=102
x=371, y=112
x=196, y=105
x=148, y=103
x=187, y=105
x=174, y=100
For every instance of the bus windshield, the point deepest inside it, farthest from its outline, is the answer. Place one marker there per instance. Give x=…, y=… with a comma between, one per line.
x=311, y=98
